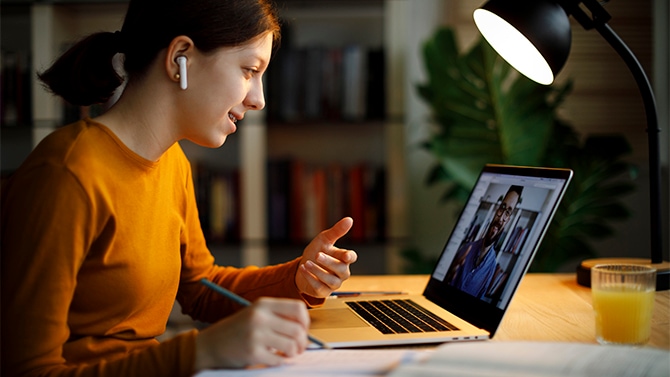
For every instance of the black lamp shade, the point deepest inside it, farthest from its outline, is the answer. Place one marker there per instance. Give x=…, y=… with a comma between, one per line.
x=543, y=23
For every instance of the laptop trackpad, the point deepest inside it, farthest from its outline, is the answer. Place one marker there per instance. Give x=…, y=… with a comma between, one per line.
x=335, y=318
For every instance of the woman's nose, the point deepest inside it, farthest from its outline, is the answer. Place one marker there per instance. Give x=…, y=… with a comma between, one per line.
x=255, y=99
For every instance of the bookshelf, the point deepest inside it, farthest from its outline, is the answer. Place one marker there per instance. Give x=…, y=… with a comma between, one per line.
x=361, y=138
x=325, y=117
x=15, y=112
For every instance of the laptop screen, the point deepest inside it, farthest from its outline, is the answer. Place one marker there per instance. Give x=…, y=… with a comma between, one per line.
x=497, y=235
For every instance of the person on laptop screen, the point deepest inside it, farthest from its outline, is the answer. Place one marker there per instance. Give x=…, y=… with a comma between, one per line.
x=475, y=263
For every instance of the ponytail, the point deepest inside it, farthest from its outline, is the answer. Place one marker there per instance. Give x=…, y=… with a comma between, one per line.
x=84, y=74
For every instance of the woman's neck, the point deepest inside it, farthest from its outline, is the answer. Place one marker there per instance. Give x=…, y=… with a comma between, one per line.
x=141, y=122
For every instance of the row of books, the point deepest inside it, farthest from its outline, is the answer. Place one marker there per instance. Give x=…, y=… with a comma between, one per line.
x=327, y=84
x=302, y=200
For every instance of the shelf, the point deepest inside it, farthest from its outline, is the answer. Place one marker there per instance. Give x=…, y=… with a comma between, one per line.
x=344, y=143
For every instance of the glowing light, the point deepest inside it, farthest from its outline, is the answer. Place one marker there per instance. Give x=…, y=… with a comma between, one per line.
x=513, y=46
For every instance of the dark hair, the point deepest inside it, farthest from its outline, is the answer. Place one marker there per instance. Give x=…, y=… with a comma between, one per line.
x=85, y=74
x=517, y=189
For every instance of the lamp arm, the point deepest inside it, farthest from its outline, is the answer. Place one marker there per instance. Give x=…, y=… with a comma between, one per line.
x=652, y=133
x=598, y=20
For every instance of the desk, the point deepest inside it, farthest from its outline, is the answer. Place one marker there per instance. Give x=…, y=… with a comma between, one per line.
x=547, y=307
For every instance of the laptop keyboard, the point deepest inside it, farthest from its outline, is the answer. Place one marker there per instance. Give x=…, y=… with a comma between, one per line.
x=399, y=316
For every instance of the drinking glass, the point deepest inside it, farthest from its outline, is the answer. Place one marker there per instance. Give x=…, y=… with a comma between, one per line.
x=623, y=302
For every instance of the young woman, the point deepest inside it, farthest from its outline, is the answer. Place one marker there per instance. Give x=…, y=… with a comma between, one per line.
x=100, y=230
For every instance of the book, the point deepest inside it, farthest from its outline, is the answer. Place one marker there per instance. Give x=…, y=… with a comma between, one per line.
x=320, y=190
x=354, y=71
x=279, y=187
x=15, y=89
x=335, y=193
x=297, y=201
x=538, y=359
x=357, y=202
x=331, y=84
x=313, y=82
x=217, y=193
x=375, y=100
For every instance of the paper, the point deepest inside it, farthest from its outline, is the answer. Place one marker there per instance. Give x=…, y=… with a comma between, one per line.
x=331, y=363
x=538, y=359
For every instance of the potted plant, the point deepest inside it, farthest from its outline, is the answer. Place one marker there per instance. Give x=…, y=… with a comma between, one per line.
x=485, y=112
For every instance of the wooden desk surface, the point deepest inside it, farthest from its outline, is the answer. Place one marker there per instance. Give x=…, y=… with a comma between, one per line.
x=547, y=307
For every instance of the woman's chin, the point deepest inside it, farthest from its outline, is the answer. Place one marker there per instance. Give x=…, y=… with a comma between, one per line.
x=212, y=142
x=220, y=142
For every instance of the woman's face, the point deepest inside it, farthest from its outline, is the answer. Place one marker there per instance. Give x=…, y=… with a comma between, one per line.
x=222, y=87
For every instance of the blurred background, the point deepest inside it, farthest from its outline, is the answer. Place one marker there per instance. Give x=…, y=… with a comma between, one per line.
x=348, y=131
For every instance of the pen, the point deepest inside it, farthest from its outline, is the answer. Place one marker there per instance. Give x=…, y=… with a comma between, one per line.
x=244, y=302
x=364, y=293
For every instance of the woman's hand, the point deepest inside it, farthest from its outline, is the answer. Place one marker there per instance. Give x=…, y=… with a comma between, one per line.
x=264, y=333
x=324, y=267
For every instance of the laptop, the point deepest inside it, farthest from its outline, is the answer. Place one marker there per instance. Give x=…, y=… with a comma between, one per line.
x=487, y=254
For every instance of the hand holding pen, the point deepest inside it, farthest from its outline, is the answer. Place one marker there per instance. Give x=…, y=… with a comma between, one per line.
x=263, y=333
x=244, y=302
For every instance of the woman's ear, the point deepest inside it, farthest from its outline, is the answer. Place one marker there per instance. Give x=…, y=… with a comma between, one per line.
x=177, y=60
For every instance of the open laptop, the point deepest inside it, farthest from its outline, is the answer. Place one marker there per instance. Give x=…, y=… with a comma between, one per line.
x=471, y=286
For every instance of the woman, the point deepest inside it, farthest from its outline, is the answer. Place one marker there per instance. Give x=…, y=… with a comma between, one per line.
x=100, y=230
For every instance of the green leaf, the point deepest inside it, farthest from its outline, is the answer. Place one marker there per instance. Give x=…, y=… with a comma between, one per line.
x=486, y=112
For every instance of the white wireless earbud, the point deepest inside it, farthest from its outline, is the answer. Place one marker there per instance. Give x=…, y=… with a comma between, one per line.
x=183, y=82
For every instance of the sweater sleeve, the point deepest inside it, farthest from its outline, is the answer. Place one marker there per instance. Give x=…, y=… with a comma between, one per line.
x=43, y=246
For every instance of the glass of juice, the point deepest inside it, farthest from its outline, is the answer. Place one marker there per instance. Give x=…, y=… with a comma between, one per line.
x=623, y=302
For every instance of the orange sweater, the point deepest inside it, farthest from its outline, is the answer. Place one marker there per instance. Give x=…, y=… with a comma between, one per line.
x=97, y=243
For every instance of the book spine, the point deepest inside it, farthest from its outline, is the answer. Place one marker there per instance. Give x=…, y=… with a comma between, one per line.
x=217, y=194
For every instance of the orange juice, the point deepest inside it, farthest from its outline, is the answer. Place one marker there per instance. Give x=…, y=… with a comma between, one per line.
x=623, y=314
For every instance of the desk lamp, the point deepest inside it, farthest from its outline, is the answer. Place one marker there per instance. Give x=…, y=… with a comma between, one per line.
x=534, y=37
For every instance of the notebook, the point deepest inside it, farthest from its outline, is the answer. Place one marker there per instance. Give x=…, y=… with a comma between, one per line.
x=479, y=269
